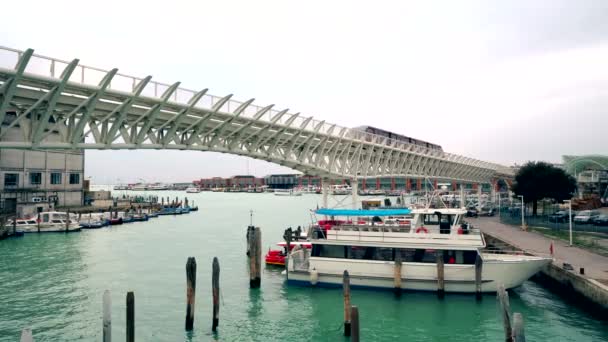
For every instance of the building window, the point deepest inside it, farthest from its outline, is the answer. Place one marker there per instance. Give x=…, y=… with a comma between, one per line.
x=35, y=178
x=56, y=178
x=11, y=179
x=74, y=178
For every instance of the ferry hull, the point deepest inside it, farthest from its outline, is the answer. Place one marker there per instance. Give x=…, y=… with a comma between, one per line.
x=421, y=277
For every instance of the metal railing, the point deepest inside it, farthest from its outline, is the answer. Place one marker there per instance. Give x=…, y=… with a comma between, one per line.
x=91, y=76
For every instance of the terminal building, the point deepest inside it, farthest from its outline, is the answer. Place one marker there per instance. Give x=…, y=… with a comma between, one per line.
x=32, y=181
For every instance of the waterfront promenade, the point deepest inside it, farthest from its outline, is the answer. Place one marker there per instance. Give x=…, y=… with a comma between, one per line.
x=596, y=266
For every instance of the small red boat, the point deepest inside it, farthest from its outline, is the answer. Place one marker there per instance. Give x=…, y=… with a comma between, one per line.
x=277, y=256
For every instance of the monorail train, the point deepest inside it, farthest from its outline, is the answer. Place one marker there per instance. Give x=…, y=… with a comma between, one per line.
x=391, y=135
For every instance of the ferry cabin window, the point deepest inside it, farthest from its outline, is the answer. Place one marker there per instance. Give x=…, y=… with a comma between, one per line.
x=389, y=254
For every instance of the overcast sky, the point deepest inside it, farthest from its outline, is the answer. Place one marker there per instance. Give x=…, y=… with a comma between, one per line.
x=502, y=81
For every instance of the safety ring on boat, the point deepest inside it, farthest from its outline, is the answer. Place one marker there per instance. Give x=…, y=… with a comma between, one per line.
x=422, y=229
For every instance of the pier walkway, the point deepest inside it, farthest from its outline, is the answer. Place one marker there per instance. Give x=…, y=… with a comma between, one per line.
x=596, y=266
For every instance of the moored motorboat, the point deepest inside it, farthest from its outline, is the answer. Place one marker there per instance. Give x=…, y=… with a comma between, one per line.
x=277, y=256
x=51, y=221
x=28, y=225
x=368, y=249
x=193, y=190
x=115, y=221
x=93, y=221
x=287, y=192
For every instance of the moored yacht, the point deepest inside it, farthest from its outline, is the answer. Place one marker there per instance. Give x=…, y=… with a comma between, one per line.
x=49, y=221
x=368, y=250
x=193, y=190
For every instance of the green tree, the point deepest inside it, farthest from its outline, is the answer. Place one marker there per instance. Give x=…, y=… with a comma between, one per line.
x=539, y=180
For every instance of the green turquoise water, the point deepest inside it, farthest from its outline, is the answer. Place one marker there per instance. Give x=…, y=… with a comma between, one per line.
x=54, y=283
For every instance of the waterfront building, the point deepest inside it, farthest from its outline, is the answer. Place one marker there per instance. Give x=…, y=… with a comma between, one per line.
x=282, y=181
x=36, y=180
x=238, y=181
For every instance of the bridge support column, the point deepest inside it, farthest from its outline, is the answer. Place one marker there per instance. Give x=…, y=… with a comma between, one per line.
x=354, y=184
x=479, y=186
x=325, y=191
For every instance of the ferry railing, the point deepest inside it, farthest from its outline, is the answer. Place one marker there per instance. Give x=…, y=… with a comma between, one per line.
x=355, y=233
x=92, y=76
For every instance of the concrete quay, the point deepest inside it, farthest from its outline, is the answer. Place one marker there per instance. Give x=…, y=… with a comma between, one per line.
x=591, y=286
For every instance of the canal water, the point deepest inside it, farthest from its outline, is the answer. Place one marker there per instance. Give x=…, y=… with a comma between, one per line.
x=54, y=283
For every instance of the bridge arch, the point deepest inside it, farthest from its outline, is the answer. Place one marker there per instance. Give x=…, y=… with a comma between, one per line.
x=90, y=108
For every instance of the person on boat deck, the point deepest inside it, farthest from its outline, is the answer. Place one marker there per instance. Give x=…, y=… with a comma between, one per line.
x=451, y=260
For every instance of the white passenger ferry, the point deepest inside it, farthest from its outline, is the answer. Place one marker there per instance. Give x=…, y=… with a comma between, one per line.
x=368, y=250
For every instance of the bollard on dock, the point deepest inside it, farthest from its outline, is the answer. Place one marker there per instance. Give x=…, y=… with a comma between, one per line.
x=190, y=292
x=107, y=317
x=130, y=316
x=347, y=306
x=215, y=285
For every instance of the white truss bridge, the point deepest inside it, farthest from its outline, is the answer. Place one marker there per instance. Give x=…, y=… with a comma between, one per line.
x=60, y=104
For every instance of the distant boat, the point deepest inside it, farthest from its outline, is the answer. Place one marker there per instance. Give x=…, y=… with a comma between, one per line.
x=139, y=187
x=287, y=192
x=193, y=190
x=158, y=186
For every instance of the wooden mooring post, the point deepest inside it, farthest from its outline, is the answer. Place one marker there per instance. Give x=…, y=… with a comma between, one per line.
x=440, y=275
x=215, y=285
x=347, y=306
x=107, y=317
x=67, y=221
x=190, y=292
x=255, y=245
x=513, y=332
x=398, y=274
x=518, y=328
x=354, y=328
x=478, y=273
x=26, y=335
x=130, y=316
x=250, y=232
x=505, y=309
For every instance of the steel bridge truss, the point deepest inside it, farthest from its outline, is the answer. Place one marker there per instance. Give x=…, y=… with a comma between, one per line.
x=65, y=105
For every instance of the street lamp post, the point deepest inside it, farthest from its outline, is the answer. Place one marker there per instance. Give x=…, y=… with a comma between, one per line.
x=570, y=219
x=499, y=196
x=523, y=222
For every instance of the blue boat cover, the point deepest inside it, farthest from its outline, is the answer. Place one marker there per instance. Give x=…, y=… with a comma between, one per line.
x=361, y=212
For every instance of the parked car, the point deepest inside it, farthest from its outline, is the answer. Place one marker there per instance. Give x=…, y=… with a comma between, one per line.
x=601, y=220
x=586, y=216
x=487, y=212
x=560, y=216
x=472, y=212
